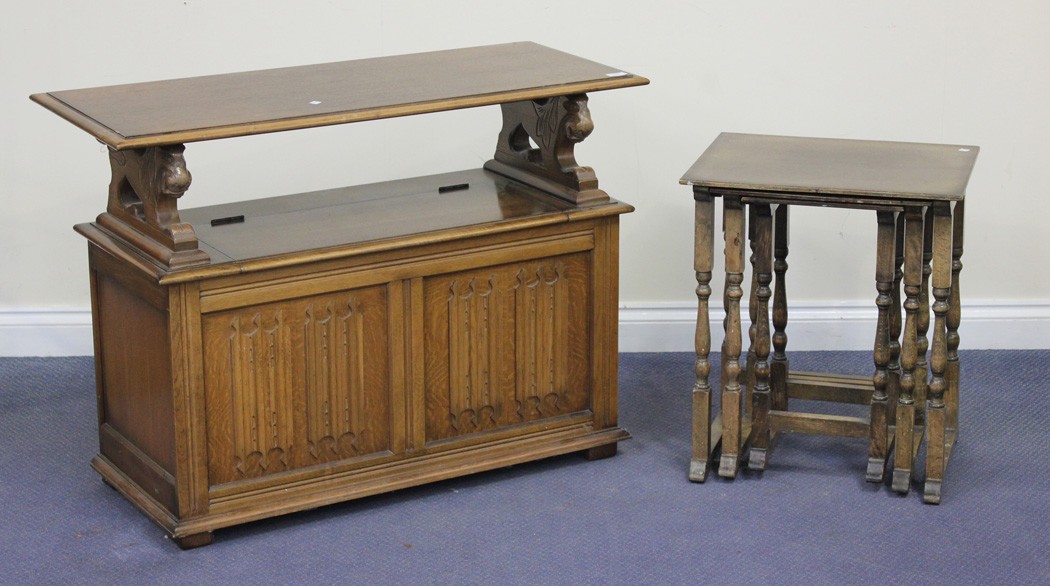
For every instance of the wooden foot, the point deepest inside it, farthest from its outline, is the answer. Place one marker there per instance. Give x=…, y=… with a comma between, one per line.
x=600, y=452
x=932, y=493
x=901, y=480
x=876, y=471
x=703, y=440
x=937, y=455
x=877, y=466
x=727, y=466
x=193, y=541
x=757, y=458
x=904, y=448
x=880, y=443
x=700, y=462
x=698, y=470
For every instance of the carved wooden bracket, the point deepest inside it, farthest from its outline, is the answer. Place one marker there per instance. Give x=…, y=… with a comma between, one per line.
x=536, y=146
x=143, y=204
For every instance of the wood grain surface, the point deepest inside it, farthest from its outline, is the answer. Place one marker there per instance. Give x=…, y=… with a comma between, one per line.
x=787, y=164
x=255, y=102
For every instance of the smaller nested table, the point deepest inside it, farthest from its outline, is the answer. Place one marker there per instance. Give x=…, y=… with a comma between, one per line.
x=917, y=192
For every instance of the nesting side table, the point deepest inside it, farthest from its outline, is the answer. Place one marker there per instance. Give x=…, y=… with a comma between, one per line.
x=917, y=192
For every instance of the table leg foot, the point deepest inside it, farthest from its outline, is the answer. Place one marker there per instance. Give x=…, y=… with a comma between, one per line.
x=932, y=493
x=901, y=480
x=727, y=466
x=698, y=470
x=757, y=459
x=876, y=470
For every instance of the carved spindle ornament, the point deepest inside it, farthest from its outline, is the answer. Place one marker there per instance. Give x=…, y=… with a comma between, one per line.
x=143, y=204
x=535, y=146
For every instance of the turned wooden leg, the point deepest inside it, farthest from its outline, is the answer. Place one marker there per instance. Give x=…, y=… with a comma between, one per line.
x=733, y=224
x=951, y=397
x=878, y=441
x=923, y=323
x=893, y=385
x=703, y=257
x=752, y=309
x=937, y=440
x=760, y=396
x=778, y=370
x=195, y=540
x=904, y=454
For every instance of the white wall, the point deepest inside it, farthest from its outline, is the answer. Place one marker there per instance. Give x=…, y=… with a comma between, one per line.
x=936, y=71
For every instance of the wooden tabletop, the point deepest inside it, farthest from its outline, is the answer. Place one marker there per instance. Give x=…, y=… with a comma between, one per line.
x=254, y=102
x=794, y=165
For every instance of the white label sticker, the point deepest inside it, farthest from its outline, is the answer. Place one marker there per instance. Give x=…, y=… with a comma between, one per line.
x=616, y=74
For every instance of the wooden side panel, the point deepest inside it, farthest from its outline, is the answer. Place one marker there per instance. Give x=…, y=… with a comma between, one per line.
x=506, y=345
x=297, y=383
x=136, y=397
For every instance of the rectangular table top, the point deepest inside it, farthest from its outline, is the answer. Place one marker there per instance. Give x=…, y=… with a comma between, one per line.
x=834, y=167
x=254, y=102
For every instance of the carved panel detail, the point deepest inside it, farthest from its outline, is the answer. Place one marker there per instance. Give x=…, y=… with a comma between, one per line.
x=335, y=378
x=474, y=352
x=541, y=317
x=297, y=383
x=507, y=345
x=259, y=389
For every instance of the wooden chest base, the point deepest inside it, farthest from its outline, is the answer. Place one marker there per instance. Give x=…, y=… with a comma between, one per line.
x=285, y=379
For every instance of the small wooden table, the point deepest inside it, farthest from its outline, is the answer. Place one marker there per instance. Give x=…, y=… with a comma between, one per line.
x=270, y=356
x=917, y=192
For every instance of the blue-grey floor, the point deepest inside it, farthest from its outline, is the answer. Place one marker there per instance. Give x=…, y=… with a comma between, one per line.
x=632, y=519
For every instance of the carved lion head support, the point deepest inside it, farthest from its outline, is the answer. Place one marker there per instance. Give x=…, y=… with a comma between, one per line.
x=536, y=146
x=578, y=124
x=146, y=183
x=170, y=175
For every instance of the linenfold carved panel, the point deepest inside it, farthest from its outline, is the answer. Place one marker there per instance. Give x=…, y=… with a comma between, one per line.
x=297, y=383
x=260, y=393
x=335, y=378
x=506, y=345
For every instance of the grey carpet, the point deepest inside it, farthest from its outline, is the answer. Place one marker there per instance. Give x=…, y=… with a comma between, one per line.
x=632, y=519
